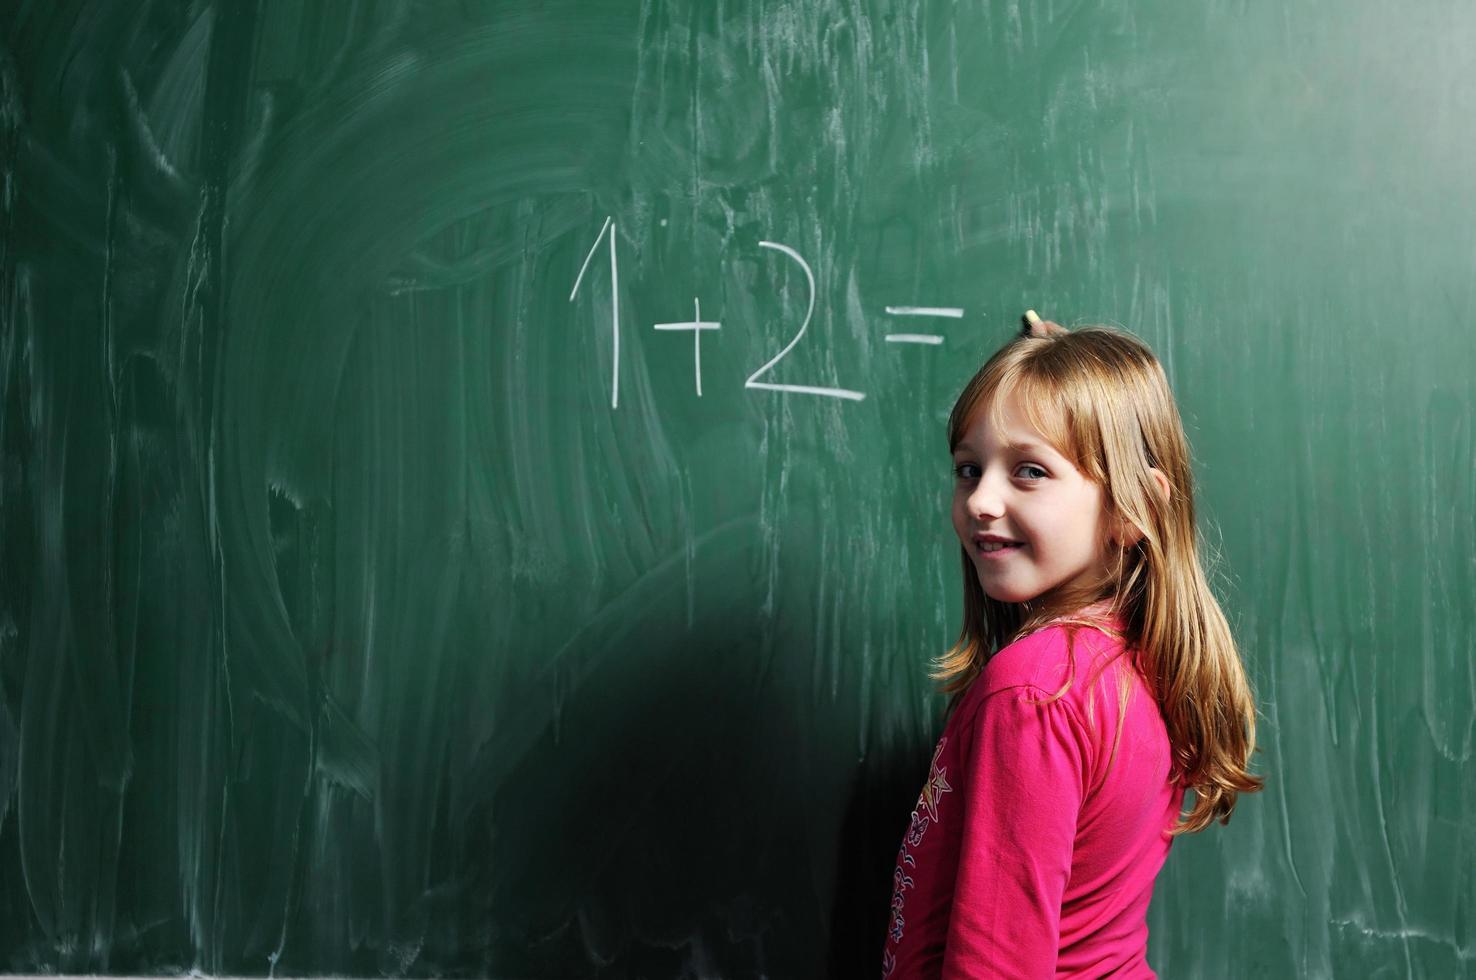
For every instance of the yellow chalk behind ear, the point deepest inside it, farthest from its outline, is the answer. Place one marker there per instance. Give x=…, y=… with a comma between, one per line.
x=1031, y=325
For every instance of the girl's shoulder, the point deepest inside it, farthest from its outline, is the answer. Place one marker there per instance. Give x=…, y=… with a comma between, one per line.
x=1052, y=656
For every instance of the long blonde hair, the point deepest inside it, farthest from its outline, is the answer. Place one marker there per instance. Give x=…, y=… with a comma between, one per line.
x=1100, y=397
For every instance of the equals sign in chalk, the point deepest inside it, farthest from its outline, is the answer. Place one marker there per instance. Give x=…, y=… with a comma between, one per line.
x=951, y=312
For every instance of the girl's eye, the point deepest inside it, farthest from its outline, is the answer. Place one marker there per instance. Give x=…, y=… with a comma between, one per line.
x=1027, y=471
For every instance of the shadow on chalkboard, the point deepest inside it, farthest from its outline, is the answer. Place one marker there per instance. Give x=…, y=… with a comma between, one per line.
x=674, y=812
x=882, y=796
x=681, y=818
x=680, y=846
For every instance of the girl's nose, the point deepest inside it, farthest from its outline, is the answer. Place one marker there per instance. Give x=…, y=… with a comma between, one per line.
x=985, y=502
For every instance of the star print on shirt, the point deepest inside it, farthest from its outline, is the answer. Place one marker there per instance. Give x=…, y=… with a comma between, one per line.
x=936, y=785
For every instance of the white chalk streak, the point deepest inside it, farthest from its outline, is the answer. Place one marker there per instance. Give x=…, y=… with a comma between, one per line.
x=854, y=396
x=696, y=325
x=609, y=227
x=585, y=267
x=914, y=338
x=952, y=312
x=615, y=318
x=845, y=393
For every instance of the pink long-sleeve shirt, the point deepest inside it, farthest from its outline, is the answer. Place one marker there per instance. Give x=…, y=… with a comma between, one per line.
x=1027, y=854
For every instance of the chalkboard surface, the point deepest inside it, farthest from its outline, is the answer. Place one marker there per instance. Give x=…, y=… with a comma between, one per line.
x=474, y=482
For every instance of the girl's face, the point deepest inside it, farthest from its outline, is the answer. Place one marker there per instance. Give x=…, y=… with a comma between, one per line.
x=1011, y=486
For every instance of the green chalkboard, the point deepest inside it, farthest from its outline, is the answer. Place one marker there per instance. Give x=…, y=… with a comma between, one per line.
x=474, y=486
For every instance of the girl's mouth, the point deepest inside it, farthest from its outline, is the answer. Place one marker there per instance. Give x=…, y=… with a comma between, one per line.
x=995, y=550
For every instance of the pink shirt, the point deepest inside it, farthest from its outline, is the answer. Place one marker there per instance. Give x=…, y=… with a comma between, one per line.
x=1027, y=855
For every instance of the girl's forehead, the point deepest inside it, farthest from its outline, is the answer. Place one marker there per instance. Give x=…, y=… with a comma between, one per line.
x=1009, y=419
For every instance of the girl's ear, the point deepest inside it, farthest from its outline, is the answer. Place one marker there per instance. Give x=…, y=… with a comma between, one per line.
x=1126, y=535
x=1163, y=483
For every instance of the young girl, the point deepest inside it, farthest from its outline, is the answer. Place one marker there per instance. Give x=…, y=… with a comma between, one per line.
x=1095, y=679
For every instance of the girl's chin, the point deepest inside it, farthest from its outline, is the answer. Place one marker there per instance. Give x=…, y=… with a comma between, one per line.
x=1005, y=595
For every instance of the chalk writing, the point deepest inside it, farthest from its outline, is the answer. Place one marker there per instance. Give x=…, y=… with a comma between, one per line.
x=758, y=379
x=609, y=229
x=753, y=381
x=696, y=325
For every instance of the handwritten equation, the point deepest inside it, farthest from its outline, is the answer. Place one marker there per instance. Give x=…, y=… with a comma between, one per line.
x=698, y=326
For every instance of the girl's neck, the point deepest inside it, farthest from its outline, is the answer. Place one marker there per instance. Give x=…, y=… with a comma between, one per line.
x=1101, y=609
x=1099, y=612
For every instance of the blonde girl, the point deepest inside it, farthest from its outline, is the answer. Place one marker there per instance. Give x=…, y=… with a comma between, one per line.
x=1094, y=682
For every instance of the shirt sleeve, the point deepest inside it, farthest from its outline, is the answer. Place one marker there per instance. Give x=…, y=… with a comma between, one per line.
x=1027, y=775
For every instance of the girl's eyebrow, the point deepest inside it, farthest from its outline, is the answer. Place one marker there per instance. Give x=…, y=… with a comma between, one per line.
x=1023, y=446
